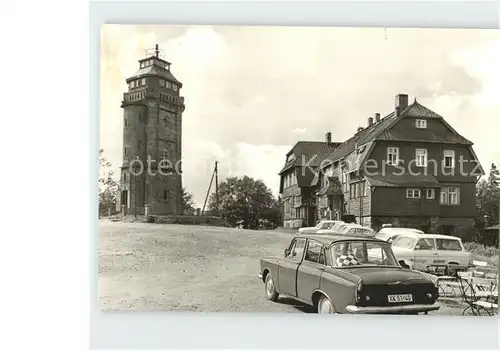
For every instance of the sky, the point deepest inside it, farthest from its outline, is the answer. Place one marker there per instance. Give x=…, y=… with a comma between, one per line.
x=252, y=92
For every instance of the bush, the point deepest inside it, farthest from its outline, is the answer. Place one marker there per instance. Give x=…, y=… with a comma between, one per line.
x=482, y=250
x=189, y=220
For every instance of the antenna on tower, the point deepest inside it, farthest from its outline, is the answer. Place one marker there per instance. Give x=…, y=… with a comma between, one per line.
x=156, y=51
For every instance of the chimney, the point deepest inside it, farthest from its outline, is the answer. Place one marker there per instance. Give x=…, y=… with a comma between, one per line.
x=401, y=103
x=370, y=121
x=328, y=138
x=377, y=117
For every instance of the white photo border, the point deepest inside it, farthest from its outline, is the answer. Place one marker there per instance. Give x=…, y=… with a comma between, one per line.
x=125, y=330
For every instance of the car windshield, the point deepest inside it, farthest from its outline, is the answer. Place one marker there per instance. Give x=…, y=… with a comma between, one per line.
x=362, y=253
x=336, y=226
x=359, y=231
x=404, y=242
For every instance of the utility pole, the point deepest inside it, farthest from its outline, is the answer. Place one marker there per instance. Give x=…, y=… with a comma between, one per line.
x=216, y=188
x=208, y=193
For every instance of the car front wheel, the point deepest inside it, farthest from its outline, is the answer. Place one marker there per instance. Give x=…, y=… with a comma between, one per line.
x=271, y=293
x=325, y=305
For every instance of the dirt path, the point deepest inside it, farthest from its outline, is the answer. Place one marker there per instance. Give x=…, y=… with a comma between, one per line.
x=151, y=267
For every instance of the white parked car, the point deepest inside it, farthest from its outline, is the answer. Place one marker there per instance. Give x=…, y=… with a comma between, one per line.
x=324, y=224
x=423, y=250
x=334, y=229
x=390, y=233
x=350, y=229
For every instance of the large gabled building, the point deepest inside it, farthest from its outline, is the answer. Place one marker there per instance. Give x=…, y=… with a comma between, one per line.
x=409, y=168
x=296, y=181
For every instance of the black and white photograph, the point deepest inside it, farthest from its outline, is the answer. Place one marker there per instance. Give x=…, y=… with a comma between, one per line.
x=299, y=170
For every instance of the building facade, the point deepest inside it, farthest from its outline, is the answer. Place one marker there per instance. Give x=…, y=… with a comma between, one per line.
x=409, y=169
x=297, y=181
x=151, y=172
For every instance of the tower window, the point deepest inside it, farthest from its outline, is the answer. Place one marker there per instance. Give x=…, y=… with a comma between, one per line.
x=124, y=177
x=125, y=151
x=139, y=144
x=174, y=86
x=132, y=84
x=143, y=81
x=125, y=122
x=162, y=82
x=168, y=85
x=164, y=154
x=165, y=194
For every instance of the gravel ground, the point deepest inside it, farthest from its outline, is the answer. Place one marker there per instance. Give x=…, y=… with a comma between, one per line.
x=155, y=267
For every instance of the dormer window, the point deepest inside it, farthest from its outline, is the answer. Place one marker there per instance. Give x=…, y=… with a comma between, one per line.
x=168, y=85
x=174, y=86
x=143, y=81
x=421, y=123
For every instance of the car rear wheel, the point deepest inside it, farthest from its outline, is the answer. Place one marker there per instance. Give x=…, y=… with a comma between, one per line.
x=271, y=293
x=325, y=305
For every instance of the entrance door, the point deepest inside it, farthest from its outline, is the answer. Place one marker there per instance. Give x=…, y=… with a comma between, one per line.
x=125, y=198
x=311, y=216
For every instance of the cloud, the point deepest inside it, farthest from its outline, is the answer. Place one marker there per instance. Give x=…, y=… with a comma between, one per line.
x=249, y=89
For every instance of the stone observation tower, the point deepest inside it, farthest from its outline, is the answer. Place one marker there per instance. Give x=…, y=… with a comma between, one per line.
x=151, y=175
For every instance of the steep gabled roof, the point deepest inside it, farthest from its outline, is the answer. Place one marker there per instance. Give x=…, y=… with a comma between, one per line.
x=309, y=153
x=427, y=135
x=367, y=134
x=383, y=130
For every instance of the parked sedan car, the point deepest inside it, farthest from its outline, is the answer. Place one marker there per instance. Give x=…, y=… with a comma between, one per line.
x=355, y=229
x=324, y=224
x=390, y=233
x=333, y=229
x=344, y=274
x=422, y=251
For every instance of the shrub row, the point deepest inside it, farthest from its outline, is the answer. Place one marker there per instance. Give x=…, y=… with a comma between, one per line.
x=482, y=250
x=189, y=220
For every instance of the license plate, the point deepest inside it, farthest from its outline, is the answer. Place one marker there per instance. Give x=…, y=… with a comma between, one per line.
x=400, y=298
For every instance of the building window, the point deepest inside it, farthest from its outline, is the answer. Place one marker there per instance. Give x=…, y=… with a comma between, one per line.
x=392, y=155
x=450, y=196
x=132, y=84
x=124, y=177
x=125, y=122
x=297, y=200
x=165, y=194
x=174, y=87
x=162, y=82
x=168, y=85
x=449, y=158
x=430, y=194
x=421, y=123
x=163, y=154
x=413, y=193
x=143, y=81
x=421, y=157
x=125, y=151
x=139, y=144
